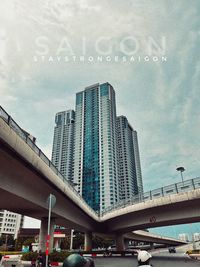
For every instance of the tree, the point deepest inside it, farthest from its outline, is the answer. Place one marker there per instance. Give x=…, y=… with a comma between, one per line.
x=65, y=243
x=99, y=242
x=78, y=240
x=28, y=241
x=7, y=241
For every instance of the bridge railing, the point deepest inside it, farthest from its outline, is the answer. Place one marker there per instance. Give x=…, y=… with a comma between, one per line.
x=30, y=142
x=176, y=188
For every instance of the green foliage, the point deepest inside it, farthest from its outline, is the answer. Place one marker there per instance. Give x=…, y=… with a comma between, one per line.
x=19, y=242
x=30, y=256
x=58, y=256
x=65, y=243
x=98, y=241
x=7, y=240
x=78, y=240
x=23, y=241
x=54, y=256
x=28, y=241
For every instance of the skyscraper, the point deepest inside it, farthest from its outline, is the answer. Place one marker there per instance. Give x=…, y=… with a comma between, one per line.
x=97, y=150
x=137, y=163
x=95, y=154
x=129, y=170
x=63, y=143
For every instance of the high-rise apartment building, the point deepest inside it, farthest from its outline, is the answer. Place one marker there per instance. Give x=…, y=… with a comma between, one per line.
x=63, y=143
x=129, y=170
x=183, y=237
x=10, y=223
x=137, y=163
x=95, y=154
x=196, y=236
x=96, y=150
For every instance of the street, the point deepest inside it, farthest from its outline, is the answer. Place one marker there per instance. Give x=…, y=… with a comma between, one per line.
x=161, y=260
x=157, y=261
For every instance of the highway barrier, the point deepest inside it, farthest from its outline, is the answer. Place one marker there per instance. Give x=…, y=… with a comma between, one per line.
x=194, y=254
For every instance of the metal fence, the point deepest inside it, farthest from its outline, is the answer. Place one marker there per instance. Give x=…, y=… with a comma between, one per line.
x=176, y=188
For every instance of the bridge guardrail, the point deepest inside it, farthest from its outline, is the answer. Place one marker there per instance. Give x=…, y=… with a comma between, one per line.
x=176, y=188
x=156, y=193
x=25, y=136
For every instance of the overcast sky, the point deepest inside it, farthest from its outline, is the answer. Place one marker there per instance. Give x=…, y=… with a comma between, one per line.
x=160, y=99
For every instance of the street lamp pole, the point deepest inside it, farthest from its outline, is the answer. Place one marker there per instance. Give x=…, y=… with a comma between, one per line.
x=51, y=201
x=71, y=241
x=181, y=170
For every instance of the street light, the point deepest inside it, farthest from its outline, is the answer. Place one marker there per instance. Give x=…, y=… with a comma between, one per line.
x=71, y=241
x=181, y=170
x=51, y=201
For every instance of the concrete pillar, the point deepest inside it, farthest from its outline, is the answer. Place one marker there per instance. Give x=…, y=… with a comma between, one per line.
x=120, y=246
x=88, y=241
x=126, y=243
x=43, y=234
x=151, y=246
x=57, y=242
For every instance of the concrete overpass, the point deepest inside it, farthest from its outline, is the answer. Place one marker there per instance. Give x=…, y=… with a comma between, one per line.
x=142, y=236
x=168, y=210
x=27, y=177
x=145, y=236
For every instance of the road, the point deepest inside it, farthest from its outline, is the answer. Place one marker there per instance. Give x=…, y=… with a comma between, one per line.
x=157, y=261
x=165, y=260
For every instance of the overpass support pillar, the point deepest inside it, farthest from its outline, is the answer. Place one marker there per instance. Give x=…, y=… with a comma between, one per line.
x=120, y=246
x=88, y=241
x=126, y=243
x=43, y=234
x=151, y=246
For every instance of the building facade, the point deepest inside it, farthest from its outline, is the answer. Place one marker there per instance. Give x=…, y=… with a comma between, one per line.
x=129, y=170
x=97, y=150
x=137, y=163
x=63, y=143
x=184, y=237
x=196, y=237
x=10, y=223
x=95, y=160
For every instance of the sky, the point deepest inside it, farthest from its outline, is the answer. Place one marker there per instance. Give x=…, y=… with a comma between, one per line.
x=40, y=71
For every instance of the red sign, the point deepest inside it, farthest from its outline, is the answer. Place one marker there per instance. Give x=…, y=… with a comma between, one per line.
x=47, y=251
x=57, y=233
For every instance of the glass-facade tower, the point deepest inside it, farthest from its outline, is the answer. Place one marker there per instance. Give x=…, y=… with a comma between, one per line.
x=95, y=153
x=96, y=150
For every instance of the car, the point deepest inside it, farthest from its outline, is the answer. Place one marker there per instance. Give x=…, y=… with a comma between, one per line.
x=172, y=250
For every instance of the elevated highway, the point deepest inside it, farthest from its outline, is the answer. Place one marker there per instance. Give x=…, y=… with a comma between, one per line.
x=26, y=182
x=27, y=177
x=145, y=236
x=168, y=210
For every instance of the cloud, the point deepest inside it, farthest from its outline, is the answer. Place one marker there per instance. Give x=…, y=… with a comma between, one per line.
x=160, y=100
